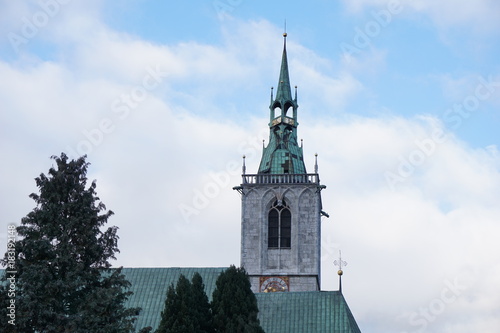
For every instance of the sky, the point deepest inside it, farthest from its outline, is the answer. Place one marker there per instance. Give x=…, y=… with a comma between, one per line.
x=399, y=99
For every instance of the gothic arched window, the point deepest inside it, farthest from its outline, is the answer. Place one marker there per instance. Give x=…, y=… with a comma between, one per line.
x=279, y=225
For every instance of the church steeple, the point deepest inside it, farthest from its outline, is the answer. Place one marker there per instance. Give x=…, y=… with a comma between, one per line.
x=284, y=92
x=281, y=205
x=283, y=154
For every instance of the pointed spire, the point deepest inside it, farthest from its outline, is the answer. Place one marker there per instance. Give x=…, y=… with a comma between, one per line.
x=284, y=92
x=282, y=154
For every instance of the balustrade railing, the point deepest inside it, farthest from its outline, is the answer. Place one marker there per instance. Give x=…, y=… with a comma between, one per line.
x=281, y=178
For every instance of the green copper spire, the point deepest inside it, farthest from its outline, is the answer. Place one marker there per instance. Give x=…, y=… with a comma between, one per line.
x=283, y=155
x=284, y=92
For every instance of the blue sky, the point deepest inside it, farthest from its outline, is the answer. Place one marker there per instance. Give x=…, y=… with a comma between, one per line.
x=400, y=100
x=419, y=58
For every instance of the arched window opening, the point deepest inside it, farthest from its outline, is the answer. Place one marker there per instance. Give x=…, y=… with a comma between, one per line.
x=276, y=110
x=279, y=225
x=274, y=226
x=286, y=228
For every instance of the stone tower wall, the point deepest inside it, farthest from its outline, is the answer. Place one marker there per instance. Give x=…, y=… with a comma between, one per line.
x=300, y=262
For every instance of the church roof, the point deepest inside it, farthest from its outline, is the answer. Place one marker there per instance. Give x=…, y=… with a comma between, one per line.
x=291, y=312
x=150, y=289
x=309, y=311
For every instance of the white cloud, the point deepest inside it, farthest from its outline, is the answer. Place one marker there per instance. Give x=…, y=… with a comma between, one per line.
x=486, y=88
x=479, y=16
x=405, y=246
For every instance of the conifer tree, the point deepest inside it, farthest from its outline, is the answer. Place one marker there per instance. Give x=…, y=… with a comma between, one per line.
x=64, y=280
x=234, y=305
x=202, y=311
x=169, y=313
x=187, y=309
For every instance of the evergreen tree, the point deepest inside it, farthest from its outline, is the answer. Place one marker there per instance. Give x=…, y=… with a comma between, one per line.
x=234, y=305
x=201, y=306
x=64, y=281
x=187, y=309
x=169, y=313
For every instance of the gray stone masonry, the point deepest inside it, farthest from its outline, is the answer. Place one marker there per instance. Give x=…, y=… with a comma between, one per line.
x=300, y=262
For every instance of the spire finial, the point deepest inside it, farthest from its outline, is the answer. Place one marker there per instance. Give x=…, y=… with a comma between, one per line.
x=341, y=263
x=283, y=91
x=284, y=32
x=316, y=163
x=244, y=167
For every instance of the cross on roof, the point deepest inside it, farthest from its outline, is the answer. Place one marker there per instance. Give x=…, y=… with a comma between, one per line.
x=341, y=263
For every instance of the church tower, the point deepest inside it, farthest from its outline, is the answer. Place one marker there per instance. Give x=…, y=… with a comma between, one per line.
x=281, y=205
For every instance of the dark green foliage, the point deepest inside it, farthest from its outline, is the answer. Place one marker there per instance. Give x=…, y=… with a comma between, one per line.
x=186, y=308
x=64, y=280
x=202, y=310
x=169, y=313
x=234, y=305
